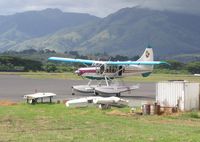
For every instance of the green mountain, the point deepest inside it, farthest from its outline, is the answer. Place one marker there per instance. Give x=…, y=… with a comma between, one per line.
x=17, y=28
x=125, y=32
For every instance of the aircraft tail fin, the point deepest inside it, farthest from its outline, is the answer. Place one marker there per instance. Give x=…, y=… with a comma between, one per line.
x=147, y=55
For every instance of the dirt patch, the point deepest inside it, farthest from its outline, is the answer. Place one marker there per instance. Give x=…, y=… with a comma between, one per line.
x=7, y=103
x=118, y=113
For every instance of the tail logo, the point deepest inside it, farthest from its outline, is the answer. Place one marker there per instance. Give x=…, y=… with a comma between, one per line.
x=147, y=54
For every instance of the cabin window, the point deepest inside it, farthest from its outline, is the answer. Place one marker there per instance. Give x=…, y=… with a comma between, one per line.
x=110, y=69
x=113, y=69
x=120, y=71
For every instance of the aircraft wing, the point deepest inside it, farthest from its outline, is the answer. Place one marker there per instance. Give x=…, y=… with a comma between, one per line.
x=71, y=60
x=136, y=62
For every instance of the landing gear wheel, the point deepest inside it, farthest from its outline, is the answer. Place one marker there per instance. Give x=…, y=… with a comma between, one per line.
x=96, y=94
x=73, y=91
x=118, y=95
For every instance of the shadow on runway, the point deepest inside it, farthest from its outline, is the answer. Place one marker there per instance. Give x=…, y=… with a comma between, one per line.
x=122, y=96
x=137, y=97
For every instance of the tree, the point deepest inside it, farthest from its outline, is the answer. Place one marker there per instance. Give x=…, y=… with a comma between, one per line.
x=193, y=67
x=14, y=62
x=31, y=65
x=174, y=65
x=135, y=58
x=74, y=53
x=119, y=58
x=50, y=67
x=29, y=51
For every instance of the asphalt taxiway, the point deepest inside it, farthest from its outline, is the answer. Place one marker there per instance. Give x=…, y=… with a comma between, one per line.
x=14, y=87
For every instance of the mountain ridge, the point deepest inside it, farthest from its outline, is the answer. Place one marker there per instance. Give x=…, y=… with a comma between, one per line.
x=126, y=32
x=20, y=27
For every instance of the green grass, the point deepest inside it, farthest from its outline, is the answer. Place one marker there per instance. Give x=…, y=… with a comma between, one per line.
x=163, y=77
x=44, y=75
x=71, y=76
x=41, y=75
x=55, y=122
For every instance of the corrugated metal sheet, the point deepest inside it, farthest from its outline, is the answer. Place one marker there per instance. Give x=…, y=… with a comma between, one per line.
x=168, y=93
x=172, y=93
x=191, y=96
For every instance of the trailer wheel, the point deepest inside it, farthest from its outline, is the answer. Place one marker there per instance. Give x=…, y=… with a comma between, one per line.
x=96, y=93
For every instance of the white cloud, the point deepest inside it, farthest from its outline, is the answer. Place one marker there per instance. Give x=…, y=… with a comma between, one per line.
x=188, y=6
x=97, y=7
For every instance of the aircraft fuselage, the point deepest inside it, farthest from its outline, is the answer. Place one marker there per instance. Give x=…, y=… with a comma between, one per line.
x=114, y=71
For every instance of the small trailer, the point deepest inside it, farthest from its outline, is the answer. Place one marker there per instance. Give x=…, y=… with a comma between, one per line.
x=33, y=98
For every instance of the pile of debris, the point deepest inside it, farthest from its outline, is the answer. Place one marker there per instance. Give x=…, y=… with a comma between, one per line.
x=102, y=102
x=156, y=109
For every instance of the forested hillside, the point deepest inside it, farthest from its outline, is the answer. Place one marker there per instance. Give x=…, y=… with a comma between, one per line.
x=126, y=32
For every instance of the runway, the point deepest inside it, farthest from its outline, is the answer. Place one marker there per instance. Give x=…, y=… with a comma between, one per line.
x=14, y=87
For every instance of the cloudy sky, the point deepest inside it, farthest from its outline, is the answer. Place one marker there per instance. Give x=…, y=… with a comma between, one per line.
x=99, y=8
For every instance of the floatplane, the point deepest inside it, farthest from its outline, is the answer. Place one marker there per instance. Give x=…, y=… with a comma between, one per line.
x=109, y=70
